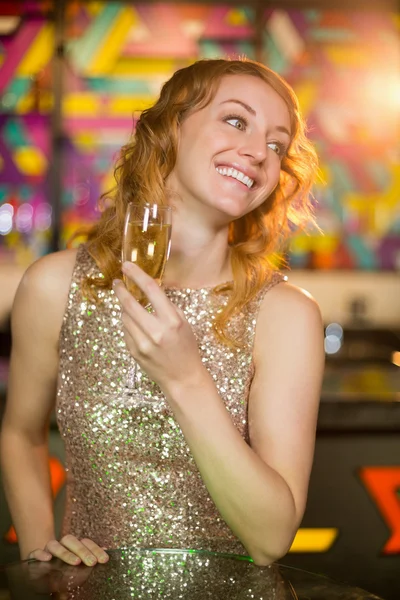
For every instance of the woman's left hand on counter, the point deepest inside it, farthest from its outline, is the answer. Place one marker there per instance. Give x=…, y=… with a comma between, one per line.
x=162, y=342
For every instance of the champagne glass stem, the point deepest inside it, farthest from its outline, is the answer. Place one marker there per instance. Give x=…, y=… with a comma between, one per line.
x=132, y=376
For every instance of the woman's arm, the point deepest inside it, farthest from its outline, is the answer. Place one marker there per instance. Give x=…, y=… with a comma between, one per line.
x=36, y=322
x=37, y=317
x=261, y=490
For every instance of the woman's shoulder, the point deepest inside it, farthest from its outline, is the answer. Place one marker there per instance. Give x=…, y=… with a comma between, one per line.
x=41, y=299
x=287, y=297
x=286, y=307
x=44, y=288
x=51, y=272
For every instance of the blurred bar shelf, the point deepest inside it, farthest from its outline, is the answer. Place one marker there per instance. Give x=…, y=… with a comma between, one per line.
x=355, y=413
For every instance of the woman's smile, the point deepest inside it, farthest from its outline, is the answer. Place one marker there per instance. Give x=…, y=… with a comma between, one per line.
x=236, y=174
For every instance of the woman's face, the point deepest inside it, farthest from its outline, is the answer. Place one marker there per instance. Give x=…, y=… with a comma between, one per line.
x=230, y=152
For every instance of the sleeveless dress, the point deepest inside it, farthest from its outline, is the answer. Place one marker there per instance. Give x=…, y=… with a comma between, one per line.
x=131, y=479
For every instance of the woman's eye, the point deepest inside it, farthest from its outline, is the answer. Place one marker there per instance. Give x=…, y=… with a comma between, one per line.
x=237, y=123
x=277, y=148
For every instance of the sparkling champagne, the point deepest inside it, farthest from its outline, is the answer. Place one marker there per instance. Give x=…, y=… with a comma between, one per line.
x=147, y=245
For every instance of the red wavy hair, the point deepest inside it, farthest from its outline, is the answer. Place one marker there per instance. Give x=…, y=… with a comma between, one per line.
x=149, y=157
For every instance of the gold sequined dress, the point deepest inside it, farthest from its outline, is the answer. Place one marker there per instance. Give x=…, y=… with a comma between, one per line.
x=131, y=479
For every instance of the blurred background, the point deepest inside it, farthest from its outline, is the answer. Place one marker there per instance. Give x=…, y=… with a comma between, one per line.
x=74, y=75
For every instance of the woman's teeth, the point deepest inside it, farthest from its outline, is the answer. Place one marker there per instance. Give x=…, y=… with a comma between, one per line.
x=229, y=172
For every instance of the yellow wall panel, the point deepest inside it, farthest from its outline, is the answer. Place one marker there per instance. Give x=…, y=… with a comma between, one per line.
x=349, y=56
x=39, y=52
x=146, y=67
x=314, y=540
x=79, y=104
x=126, y=105
x=306, y=93
x=107, y=54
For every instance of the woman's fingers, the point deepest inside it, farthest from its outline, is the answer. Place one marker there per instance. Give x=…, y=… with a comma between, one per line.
x=136, y=340
x=162, y=306
x=98, y=552
x=59, y=550
x=131, y=307
x=40, y=555
x=71, y=551
x=79, y=549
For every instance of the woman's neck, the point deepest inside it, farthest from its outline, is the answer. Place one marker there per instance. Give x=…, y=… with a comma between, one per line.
x=199, y=257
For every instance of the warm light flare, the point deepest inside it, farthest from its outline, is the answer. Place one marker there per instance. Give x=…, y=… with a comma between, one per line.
x=396, y=359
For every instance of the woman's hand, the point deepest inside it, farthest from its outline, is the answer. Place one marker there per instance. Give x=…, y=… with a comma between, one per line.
x=163, y=343
x=71, y=551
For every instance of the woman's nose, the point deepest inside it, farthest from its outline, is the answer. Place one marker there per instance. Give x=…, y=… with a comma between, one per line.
x=255, y=148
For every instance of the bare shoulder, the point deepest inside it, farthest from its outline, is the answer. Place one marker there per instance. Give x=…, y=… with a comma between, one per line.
x=287, y=297
x=48, y=279
x=288, y=310
x=43, y=291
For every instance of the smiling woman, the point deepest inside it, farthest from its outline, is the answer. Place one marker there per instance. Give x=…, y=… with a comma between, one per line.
x=213, y=447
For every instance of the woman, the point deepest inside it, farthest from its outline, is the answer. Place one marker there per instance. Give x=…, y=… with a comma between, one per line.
x=214, y=447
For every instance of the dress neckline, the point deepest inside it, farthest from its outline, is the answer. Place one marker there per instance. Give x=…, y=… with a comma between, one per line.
x=206, y=288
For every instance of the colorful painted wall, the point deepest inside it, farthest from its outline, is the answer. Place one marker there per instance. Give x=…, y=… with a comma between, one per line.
x=343, y=65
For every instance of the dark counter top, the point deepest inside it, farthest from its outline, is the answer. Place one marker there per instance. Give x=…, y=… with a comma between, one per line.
x=171, y=574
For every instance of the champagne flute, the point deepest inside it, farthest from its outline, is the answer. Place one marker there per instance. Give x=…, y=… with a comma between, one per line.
x=146, y=242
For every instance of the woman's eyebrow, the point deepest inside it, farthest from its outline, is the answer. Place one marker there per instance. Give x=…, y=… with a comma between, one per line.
x=253, y=112
x=245, y=106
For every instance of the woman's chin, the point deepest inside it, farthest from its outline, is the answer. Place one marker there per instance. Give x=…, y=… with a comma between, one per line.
x=234, y=209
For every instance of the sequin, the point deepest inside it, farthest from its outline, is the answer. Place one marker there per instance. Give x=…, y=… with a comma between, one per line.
x=131, y=479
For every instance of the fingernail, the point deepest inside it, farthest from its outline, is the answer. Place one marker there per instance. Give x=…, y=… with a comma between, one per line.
x=116, y=282
x=91, y=561
x=103, y=558
x=126, y=265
